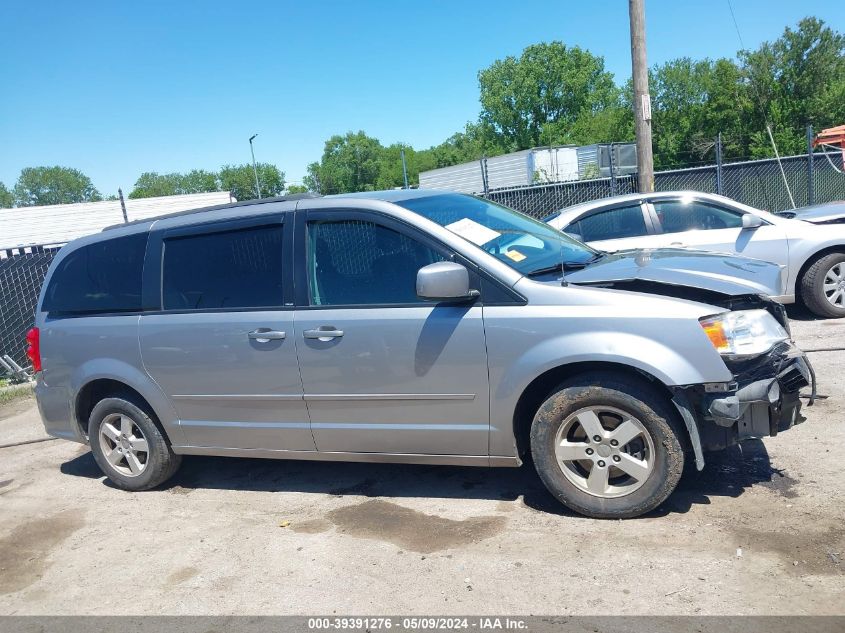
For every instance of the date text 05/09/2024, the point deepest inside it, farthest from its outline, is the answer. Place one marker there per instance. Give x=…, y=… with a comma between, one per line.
x=417, y=623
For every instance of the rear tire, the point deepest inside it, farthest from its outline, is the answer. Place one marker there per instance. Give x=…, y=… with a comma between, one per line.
x=822, y=286
x=581, y=465
x=128, y=445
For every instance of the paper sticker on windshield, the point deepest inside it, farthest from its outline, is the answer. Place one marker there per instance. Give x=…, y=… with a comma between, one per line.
x=473, y=231
x=515, y=255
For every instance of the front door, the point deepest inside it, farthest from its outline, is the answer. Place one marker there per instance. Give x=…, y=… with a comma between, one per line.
x=695, y=224
x=222, y=347
x=383, y=371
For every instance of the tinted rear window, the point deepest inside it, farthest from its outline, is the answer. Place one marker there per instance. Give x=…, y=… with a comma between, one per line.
x=229, y=269
x=100, y=277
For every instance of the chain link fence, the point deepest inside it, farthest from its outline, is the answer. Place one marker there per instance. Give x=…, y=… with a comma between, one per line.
x=541, y=200
x=760, y=184
x=811, y=179
x=21, y=273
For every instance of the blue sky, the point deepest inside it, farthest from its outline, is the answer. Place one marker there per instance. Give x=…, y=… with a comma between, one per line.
x=115, y=88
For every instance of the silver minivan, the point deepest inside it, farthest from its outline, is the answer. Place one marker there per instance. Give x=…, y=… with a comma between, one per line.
x=409, y=326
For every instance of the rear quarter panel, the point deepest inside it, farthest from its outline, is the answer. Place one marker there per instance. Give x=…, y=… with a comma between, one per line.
x=78, y=350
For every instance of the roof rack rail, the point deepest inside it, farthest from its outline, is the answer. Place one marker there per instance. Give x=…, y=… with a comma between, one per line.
x=228, y=205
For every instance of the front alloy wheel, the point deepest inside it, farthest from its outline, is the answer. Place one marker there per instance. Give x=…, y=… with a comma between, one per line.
x=834, y=285
x=608, y=445
x=822, y=286
x=604, y=451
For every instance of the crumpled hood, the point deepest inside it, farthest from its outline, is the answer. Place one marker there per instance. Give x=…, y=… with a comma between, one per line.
x=717, y=272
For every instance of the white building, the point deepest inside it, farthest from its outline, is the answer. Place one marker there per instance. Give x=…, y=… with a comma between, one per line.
x=61, y=223
x=541, y=165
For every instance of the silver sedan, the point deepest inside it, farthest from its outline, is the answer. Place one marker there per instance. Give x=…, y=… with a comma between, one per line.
x=812, y=247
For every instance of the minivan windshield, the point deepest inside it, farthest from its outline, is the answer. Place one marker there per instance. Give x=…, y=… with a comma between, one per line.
x=526, y=244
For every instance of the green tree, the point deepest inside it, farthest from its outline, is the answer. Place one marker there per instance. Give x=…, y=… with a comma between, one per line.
x=550, y=84
x=293, y=189
x=349, y=163
x=151, y=184
x=7, y=200
x=797, y=80
x=613, y=124
x=240, y=180
x=475, y=142
x=199, y=181
x=692, y=101
x=38, y=186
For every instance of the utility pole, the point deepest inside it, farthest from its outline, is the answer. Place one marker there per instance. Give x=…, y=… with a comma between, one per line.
x=254, y=170
x=642, y=100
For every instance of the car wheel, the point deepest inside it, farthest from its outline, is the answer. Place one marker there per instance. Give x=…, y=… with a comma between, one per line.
x=128, y=445
x=607, y=447
x=823, y=286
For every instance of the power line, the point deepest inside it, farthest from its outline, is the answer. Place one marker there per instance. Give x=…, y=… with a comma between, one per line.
x=736, y=25
x=756, y=90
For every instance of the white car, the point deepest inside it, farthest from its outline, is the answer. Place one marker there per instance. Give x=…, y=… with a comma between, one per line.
x=811, y=249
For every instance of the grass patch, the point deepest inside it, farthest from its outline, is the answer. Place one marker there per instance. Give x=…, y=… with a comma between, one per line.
x=8, y=392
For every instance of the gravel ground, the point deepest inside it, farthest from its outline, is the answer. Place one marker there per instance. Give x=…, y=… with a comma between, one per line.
x=760, y=531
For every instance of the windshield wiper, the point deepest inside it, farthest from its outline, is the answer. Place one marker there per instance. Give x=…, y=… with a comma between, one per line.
x=564, y=265
x=545, y=271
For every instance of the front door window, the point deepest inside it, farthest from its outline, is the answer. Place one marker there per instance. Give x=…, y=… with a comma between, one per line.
x=355, y=262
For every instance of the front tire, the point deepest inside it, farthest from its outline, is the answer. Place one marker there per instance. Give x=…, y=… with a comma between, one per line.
x=128, y=445
x=607, y=446
x=823, y=286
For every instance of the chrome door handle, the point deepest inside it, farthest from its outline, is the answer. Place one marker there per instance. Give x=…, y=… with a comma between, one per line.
x=264, y=335
x=323, y=334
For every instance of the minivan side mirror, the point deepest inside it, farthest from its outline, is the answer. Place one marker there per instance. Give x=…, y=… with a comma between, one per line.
x=443, y=281
x=751, y=221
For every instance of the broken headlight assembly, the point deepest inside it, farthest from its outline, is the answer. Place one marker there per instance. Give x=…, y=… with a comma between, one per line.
x=743, y=333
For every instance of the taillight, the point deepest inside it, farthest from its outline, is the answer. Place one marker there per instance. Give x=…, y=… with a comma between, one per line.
x=33, y=348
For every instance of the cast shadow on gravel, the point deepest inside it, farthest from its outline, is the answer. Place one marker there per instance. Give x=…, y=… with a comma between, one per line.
x=726, y=474
x=799, y=312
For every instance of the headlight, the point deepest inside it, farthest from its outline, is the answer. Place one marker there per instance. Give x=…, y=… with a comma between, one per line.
x=744, y=332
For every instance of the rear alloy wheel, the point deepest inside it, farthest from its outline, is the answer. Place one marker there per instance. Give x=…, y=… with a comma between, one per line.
x=124, y=445
x=823, y=286
x=607, y=446
x=128, y=445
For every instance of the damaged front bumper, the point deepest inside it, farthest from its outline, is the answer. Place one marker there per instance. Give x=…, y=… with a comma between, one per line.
x=762, y=400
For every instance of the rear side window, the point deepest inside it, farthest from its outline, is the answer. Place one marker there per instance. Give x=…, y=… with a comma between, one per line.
x=98, y=278
x=229, y=269
x=613, y=224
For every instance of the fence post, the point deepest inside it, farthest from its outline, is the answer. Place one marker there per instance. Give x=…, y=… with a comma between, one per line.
x=404, y=167
x=811, y=176
x=612, y=171
x=485, y=185
x=122, y=204
x=719, y=182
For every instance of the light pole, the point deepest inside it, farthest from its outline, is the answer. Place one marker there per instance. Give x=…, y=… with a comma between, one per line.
x=254, y=170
